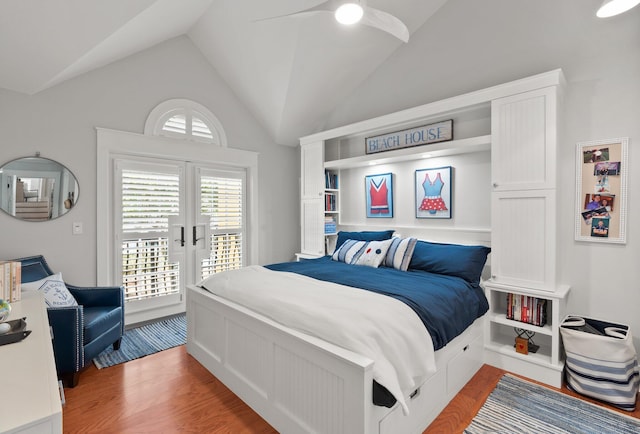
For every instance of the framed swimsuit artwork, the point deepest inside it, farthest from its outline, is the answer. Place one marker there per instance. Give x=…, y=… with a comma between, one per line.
x=379, y=194
x=433, y=193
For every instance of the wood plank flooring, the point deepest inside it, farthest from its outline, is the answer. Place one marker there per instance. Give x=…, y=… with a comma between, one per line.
x=170, y=392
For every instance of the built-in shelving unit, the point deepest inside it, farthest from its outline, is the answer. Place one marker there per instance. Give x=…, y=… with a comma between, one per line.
x=517, y=123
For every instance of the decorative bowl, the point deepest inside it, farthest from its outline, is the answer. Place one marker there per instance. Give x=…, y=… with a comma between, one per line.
x=5, y=310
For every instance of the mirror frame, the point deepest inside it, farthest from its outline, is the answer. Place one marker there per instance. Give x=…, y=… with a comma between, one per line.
x=62, y=197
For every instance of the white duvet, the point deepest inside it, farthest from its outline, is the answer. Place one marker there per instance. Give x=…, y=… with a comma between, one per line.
x=373, y=325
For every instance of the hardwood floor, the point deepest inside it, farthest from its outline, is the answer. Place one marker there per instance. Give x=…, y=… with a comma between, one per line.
x=170, y=392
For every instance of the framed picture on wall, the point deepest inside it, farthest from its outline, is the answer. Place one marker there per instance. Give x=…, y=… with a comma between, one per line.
x=601, y=191
x=433, y=193
x=379, y=194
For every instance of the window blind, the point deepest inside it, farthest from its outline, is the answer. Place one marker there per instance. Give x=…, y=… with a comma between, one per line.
x=148, y=198
x=176, y=124
x=222, y=199
x=200, y=129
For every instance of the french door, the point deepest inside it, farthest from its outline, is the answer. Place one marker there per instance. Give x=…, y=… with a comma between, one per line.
x=175, y=223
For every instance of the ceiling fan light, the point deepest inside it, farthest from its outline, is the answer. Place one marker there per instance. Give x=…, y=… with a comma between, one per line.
x=610, y=8
x=350, y=13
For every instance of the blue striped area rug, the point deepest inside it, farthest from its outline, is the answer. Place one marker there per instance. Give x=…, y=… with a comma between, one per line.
x=142, y=341
x=518, y=406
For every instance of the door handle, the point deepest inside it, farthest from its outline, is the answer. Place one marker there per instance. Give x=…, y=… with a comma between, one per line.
x=181, y=239
x=195, y=236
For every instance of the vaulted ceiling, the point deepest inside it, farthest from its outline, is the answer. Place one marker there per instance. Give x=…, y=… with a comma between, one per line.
x=291, y=72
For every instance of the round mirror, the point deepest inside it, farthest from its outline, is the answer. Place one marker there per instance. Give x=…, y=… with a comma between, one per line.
x=37, y=189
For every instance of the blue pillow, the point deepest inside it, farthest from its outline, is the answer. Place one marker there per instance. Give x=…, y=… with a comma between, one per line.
x=363, y=236
x=457, y=260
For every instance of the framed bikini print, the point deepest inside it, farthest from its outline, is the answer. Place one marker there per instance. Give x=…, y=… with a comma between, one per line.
x=433, y=193
x=379, y=194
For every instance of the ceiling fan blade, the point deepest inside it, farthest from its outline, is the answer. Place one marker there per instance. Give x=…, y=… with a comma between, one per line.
x=322, y=7
x=385, y=22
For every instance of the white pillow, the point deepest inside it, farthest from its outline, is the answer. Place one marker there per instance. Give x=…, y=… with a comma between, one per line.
x=400, y=252
x=55, y=291
x=369, y=253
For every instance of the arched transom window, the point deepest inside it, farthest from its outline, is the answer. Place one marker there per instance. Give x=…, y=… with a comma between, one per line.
x=185, y=119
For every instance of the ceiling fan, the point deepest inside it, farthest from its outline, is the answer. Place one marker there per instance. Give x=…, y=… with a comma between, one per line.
x=352, y=12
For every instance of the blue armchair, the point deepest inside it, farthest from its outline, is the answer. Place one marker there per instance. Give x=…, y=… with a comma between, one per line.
x=80, y=332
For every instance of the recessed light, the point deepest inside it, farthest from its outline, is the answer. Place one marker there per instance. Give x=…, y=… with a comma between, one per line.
x=349, y=13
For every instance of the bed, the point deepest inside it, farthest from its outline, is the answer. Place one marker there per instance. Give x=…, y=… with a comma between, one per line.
x=255, y=330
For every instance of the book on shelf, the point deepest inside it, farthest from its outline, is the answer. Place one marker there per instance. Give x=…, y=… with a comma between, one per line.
x=330, y=202
x=330, y=180
x=10, y=279
x=527, y=309
x=330, y=225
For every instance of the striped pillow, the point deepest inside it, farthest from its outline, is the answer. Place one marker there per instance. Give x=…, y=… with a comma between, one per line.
x=369, y=253
x=399, y=253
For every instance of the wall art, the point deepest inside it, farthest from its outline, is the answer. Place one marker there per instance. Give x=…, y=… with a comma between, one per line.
x=601, y=190
x=433, y=189
x=379, y=194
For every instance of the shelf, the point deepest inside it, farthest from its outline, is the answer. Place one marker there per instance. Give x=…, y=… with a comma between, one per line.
x=559, y=294
x=541, y=358
x=502, y=319
x=453, y=147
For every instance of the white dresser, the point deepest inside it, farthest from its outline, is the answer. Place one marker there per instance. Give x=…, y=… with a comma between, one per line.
x=28, y=381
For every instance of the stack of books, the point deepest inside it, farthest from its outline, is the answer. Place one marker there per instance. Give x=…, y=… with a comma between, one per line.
x=329, y=225
x=10, y=278
x=530, y=310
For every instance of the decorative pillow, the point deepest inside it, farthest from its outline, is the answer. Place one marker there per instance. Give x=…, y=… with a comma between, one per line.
x=369, y=253
x=457, y=260
x=400, y=252
x=55, y=291
x=363, y=236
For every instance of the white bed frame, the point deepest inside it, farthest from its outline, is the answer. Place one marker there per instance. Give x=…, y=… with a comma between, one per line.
x=299, y=383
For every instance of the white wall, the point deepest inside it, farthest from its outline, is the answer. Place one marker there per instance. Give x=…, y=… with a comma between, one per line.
x=470, y=45
x=60, y=123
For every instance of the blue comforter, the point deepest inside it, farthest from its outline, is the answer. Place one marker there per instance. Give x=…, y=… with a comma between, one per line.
x=446, y=305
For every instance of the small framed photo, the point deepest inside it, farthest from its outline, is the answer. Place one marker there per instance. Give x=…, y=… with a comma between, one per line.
x=379, y=194
x=600, y=227
x=433, y=193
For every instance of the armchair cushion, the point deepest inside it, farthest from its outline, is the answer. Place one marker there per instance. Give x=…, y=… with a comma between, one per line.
x=100, y=320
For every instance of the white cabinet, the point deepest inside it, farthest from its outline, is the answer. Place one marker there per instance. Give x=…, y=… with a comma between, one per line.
x=320, y=201
x=311, y=170
x=524, y=140
x=524, y=130
x=546, y=364
x=523, y=203
x=30, y=394
x=312, y=199
x=523, y=239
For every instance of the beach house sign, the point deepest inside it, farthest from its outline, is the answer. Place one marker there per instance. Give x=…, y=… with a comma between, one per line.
x=433, y=133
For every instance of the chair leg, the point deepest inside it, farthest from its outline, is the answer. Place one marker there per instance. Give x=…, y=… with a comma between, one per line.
x=116, y=344
x=70, y=380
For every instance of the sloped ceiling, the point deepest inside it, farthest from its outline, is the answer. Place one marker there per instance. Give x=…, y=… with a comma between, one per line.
x=290, y=72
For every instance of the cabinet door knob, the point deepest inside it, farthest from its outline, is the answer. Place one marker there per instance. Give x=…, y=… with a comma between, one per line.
x=495, y=185
x=493, y=276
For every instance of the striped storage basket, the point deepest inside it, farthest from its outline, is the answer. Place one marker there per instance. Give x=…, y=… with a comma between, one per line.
x=601, y=360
